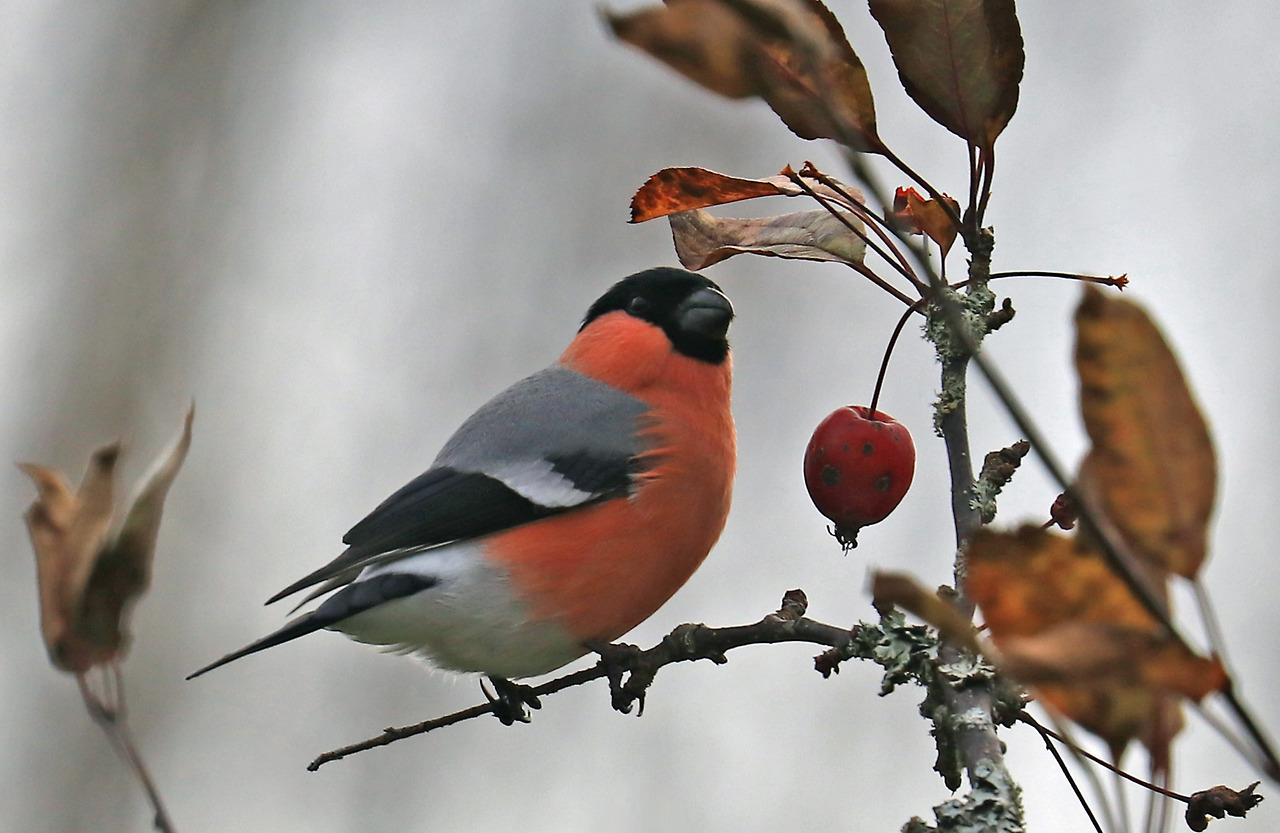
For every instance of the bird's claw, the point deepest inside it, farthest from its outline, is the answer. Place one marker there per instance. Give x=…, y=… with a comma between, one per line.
x=509, y=700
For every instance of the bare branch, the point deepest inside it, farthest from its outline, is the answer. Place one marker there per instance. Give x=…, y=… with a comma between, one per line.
x=631, y=671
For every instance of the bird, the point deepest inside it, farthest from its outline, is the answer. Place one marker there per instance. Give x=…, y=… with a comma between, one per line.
x=561, y=514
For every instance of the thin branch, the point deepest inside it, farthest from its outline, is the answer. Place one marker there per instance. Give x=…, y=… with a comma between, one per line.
x=1066, y=772
x=1045, y=730
x=874, y=221
x=109, y=712
x=1108, y=280
x=685, y=643
x=903, y=268
x=866, y=175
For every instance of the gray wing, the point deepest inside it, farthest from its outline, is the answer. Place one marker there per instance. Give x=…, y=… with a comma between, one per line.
x=551, y=442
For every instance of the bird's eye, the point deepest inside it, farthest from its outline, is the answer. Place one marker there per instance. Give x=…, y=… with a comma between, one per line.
x=639, y=305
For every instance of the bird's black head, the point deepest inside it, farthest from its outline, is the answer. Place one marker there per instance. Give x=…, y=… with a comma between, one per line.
x=690, y=309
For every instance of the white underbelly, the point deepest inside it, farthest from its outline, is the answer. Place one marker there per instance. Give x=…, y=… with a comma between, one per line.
x=470, y=620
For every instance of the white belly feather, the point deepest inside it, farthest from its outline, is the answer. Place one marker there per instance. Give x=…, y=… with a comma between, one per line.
x=470, y=620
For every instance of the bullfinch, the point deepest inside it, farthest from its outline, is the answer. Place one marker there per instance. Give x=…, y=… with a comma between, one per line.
x=563, y=512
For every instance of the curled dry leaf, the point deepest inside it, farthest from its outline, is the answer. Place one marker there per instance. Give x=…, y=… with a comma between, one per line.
x=702, y=239
x=1219, y=802
x=672, y=190
x=88, y=577
x=791, y=53
x=1065, y=623
x=682, y=189
x=1151, y=467
x=960, y=60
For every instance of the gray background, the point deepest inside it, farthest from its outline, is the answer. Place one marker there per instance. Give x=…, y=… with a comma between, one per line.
x=342, y=226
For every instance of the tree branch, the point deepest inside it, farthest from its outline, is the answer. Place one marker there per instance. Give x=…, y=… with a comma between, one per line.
x=631, y=671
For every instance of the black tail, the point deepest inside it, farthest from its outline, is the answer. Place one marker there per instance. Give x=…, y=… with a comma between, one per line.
x=301, y=626
x=350, y=600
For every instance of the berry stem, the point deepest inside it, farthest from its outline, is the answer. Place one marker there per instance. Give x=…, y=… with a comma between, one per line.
x=888, y=351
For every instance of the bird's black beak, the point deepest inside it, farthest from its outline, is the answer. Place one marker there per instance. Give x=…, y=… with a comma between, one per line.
x=705, y=313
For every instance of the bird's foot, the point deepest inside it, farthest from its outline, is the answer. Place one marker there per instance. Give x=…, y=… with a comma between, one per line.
x=618, y=659
x=509, y=700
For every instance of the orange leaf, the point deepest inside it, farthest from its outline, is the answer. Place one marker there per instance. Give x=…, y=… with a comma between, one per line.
x=672, y=190
x=88, y=580
x=933, y=219
x=960, y=60
x=1064, y=623
x=681, y=189
x=1151, y=467
x=791, y=53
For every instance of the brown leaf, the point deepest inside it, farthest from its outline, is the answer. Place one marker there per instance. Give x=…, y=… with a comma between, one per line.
x=87, y=580
x=1151, y=467
x=904, y=591
x=1065, y=623
x=814, y=80
x=960, y=60
x=702, y=239
x=703, y=40
x=791, y=53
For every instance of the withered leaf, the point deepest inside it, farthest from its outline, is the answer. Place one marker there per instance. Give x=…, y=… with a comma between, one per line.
x=702, y=239
x=791, y=53
x=703, y=40
x=682, y=189
x=89, y=579
x=672, y=190
x=1066, y=624
x=1151, y=467
x=960, y=60
x=1219, y=802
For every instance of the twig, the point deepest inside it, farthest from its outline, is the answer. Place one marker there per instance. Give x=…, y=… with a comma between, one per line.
x=685, y=643
x=1045, y=730
x=1105, y=280
x=109, y=712
x=1066, y=772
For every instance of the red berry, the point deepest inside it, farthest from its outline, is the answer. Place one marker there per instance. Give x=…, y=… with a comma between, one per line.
x=857, y=468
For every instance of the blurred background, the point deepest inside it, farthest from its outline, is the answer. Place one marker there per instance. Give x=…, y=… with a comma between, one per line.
x=341, y=226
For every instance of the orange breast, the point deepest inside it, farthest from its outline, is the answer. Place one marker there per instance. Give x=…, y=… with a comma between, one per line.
x=604, y=569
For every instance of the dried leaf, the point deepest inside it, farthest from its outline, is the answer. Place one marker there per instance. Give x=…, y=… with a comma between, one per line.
x=702, y=239
x=903, y=591
x=703, y=40
x=1065, y=623
x=791, y=53
x=87, y=580
x=672, y=190
x=1219, y=802
x=816, y=83
x=1151, y=466
x=960, y=60
x=682, y=189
